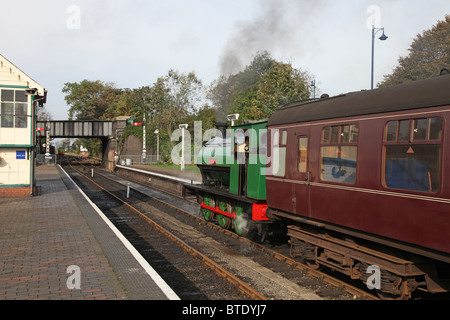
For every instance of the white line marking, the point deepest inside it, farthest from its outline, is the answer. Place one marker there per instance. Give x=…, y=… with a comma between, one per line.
x=147, y=267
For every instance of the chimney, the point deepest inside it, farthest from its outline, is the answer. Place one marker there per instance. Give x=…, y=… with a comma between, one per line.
x=222, y=127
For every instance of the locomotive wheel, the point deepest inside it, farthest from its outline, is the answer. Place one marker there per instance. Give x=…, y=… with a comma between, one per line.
x=222, y=220
x=208, y=214
x=242, y=224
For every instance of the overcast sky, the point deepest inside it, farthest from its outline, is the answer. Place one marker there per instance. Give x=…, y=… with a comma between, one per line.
x=133, y=42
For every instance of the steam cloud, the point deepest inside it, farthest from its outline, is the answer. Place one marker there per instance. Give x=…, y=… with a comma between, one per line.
x=275, y=30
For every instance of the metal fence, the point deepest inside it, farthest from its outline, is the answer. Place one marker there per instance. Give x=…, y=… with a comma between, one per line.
x=133, y=159
x=42, y=159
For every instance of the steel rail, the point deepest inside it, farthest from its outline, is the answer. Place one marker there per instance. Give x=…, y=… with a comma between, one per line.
x=355, y=291
x=359, y=293
x=219, y=270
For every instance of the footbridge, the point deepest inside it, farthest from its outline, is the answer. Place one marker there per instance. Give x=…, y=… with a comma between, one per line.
x=107, y=131
x=77, y=129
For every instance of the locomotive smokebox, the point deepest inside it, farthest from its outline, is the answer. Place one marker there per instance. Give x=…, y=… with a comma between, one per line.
x=222, y=127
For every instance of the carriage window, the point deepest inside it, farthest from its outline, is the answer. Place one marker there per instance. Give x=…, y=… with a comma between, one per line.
x=420, y=129
x=354, y=133
x=413, y=164
x=435, y=129
x=339, y=164
x=326, y=135
x=339, y=154
x=403, y=131
x=302, y=154
x=276, y=138
x=284, y=138
x=391, y=131
x=278, y=164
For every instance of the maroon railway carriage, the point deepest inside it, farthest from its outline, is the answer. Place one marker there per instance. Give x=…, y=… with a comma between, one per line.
x=364, y=181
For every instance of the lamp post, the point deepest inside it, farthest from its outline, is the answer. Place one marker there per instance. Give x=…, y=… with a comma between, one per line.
x=313, y=84
x=382, y=38
x=157, y=144
x=182, y=127
x=47, y=142
x=144, y=148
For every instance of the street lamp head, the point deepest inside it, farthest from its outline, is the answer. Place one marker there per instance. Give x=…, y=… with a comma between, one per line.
x=232, y=117
x=383, y=37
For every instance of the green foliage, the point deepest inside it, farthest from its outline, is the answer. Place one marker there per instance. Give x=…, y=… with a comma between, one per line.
x=255, y=93
x=207, y=115
x=174, y=98
x=89, y=100
x=130, y=102
x=428, y=54
x=165, y=147
x=280, y=85
x=93, y=145
x=258, y=91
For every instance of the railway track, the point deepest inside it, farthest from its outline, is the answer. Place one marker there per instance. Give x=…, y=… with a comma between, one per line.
x=249, y=255
x=186, y=271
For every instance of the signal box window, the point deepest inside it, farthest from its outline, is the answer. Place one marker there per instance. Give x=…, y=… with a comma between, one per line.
x=412, y=154
x=13, y=109
x=339, y=154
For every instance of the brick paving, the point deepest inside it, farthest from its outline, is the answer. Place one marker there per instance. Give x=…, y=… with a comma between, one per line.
x=42, y=236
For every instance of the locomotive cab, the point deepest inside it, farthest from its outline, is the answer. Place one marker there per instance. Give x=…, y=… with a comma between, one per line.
x=233, y=190
x=213, y=163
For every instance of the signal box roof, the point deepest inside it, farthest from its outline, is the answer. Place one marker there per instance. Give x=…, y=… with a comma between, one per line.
x=12, y=76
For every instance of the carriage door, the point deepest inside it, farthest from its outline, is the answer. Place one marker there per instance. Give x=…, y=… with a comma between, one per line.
x=302, y=173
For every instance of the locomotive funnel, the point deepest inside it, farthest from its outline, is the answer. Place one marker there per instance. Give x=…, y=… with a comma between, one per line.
x=222, y=127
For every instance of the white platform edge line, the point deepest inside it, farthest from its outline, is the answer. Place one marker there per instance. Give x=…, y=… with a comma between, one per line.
x=147, y=267
x=159, y=175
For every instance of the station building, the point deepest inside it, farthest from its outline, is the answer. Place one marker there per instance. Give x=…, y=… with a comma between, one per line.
x=20, y=96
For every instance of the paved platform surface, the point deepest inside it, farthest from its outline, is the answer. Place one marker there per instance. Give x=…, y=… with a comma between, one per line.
x=55, y=246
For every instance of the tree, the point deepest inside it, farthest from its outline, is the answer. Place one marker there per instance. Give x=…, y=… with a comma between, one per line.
x=258, y=91
x=428, y=54
x=43, y=114
x=207, y=115
x=173, y=98
x=127, y=104
x=280, y=85
x=89, y=100
x=238, y=91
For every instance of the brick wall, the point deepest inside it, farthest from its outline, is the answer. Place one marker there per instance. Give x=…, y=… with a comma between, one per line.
x=132, y=146
x=15, y=192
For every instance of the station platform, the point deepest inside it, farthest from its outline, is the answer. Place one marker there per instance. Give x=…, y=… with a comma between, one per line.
x=58, y=246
